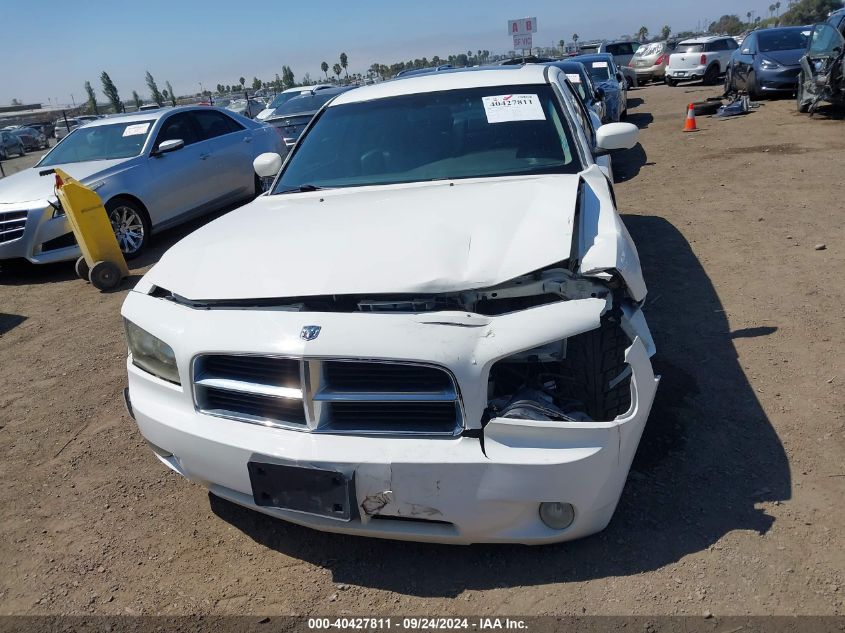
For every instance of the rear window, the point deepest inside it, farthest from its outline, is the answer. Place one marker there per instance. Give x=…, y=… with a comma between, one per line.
x=648, y=50
x=304, y=104
x=690, y=48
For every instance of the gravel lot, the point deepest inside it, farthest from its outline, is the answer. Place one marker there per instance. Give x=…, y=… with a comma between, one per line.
x=734, y=505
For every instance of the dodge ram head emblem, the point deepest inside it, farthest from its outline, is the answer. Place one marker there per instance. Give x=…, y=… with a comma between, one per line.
x=310, y=332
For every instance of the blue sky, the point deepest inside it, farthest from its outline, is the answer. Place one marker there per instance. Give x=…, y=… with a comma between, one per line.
x=59, y=45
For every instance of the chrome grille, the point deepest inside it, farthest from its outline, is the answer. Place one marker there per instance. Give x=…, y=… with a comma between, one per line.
x=12, y=225
x=329, y=396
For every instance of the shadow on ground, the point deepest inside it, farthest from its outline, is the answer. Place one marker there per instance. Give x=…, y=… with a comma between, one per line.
x=627, y=164
x=633, y=102
x=9, y=322
x=640, y=119
x=707, y=457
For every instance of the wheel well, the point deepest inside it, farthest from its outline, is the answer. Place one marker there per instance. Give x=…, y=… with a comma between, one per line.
x=712, y=64
x=131, y=198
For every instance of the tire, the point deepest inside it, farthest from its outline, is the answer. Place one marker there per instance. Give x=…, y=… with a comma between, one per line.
x=671, y=83
x=82, y=269
x=711, y=75
x=105, y=276
x=753, y=93
x=801, y=101
x=628, y=83
x=131, y=225
x=595, y=371
x=729, y=82
x=3, y=154
x=22, y=151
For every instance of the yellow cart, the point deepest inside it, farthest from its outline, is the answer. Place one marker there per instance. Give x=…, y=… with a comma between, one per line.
x=102, y=261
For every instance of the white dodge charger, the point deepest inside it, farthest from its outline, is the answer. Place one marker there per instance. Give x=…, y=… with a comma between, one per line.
x=429, y=328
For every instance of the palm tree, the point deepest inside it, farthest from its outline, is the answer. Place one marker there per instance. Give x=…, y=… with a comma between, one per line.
x=344, y=61
x=243, y=82
x=325, y=68
x=771, y=10
x=337, y=69
x=575, y=39
x=777, y=8
x=642, y=34
x=748, y=15
x=665, y=31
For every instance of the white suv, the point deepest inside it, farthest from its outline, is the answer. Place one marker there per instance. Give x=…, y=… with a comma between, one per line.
x=430, y=328
x=704, y=58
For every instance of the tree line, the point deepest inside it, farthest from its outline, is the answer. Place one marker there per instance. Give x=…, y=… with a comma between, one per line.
x=798, y=13
x=160, y=97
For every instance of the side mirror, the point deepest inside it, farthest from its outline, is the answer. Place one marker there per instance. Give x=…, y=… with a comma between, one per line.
x=613, y=137
x=267, y=165
x=619, y=76
x=170, y=146
x=599, y=94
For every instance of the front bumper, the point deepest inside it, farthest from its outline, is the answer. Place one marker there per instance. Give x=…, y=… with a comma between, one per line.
x=37, y=241
x=451, y=490
x=783, y=79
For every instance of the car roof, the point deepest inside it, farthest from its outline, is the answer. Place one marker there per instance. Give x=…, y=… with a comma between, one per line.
x=593, y=57
x=447, y=80
x=147, y=115
x=569, y=64
x=704, y=40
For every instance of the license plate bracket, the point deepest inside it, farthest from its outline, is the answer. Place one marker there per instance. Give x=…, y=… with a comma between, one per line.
x=310, y=490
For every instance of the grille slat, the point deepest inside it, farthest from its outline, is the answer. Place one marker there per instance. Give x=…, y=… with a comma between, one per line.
x=362, y=397
x=12, y=225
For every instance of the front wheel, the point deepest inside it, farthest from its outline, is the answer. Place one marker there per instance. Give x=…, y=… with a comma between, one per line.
x=753, y=92
x=130, y=224
x=21, y=151
x=671, y=83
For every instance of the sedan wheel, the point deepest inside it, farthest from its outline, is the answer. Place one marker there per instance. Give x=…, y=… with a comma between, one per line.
x=130, y=227
x=801, y=100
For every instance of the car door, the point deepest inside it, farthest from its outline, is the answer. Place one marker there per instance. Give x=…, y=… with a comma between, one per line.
x=230, y=145
x=181, y=181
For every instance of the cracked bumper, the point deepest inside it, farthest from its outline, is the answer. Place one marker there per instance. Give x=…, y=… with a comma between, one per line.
x=448, y=490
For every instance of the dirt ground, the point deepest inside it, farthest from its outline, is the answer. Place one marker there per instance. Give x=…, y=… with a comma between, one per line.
x=733, y=506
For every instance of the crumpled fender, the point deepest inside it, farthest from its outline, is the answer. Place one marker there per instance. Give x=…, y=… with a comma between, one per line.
x=604, y=243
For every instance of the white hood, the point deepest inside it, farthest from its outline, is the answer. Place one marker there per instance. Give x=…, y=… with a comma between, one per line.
x=417, y=238
x=28, y=186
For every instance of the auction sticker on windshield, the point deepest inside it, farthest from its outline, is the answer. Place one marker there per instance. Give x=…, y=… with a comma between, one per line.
x=506, y=108
x=134, y=130
x=574, y=78
x=599, y=64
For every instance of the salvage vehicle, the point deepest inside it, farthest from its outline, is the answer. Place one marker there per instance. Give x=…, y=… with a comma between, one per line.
x=607, y=76
x=32, y=139
x=581, y=81
x=822, y=76
x=702, y=58
x=10, y=145
x=152, y=170
x=767, y=62
x=292, y=117
x=285, y=96
x=650, y=60
x=431, y=330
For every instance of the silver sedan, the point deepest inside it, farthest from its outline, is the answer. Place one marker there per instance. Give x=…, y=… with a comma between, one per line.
x=152, y=170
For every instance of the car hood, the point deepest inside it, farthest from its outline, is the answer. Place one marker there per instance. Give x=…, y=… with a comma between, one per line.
x=785, y=58
x=415, y=238
x=28, y=186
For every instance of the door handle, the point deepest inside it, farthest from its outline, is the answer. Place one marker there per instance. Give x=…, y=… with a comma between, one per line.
x=204, y=156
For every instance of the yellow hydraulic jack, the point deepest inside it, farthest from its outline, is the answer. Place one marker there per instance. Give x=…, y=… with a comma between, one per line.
x=102, y=261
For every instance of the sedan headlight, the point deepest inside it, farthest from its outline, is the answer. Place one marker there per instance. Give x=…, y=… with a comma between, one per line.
x=768, y=64
x=151, y=354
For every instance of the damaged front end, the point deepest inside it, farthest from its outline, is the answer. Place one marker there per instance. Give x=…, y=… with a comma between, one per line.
x=822, y=77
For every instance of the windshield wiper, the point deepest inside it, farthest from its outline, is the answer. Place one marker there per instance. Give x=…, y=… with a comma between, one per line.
x=303, y=189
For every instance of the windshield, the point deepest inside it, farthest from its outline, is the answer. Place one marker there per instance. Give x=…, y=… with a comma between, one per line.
x=304, y=103
x=100, y=142
x=61, y=122
x=26, y=131
x=465, y=133
x=285, y=97
x=825, y=39
x=599, y=71
x=777, y=40
x=648, y=50
x=690, y=48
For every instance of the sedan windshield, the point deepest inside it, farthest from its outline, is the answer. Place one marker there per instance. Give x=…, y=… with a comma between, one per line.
x=465, y=133
x=284, y=97
x=304, y=103
x=100, y=142
x=782, y=40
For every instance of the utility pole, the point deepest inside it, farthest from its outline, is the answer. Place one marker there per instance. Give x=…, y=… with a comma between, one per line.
x=73, y=100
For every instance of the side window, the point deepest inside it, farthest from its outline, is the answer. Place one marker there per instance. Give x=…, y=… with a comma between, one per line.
x=213, y=124
x=732, y=45
x=625, y=49
x=179, y=126
x=613, y=49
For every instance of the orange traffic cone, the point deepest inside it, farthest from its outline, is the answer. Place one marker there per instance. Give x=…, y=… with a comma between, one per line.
x=689, y=124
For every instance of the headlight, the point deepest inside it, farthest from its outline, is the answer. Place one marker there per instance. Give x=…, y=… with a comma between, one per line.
x=151, y=354
x=768, y=64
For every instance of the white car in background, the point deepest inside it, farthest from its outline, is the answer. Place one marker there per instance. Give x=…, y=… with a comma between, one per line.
x=432, y=332
x=61, y=127
x=704, y=58
x=284, y=97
